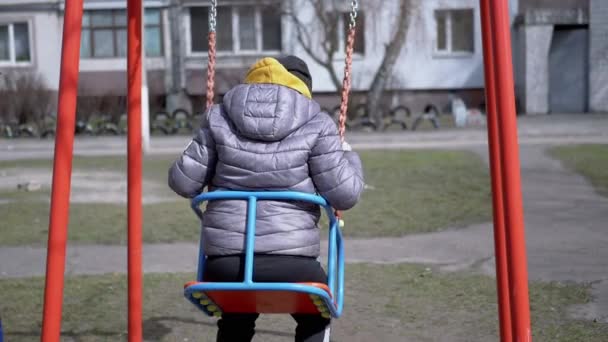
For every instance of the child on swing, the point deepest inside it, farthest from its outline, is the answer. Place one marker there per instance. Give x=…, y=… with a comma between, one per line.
x=268, y=135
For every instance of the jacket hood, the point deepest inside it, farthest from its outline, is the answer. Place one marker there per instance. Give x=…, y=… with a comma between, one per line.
x=270, y=71
x=268, y=112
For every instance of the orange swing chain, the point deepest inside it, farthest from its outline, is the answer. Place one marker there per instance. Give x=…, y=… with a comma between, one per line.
x=211, y=62
x=346, y=83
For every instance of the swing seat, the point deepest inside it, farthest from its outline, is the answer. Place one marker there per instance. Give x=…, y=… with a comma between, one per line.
x=304, y=298
x=215, y=298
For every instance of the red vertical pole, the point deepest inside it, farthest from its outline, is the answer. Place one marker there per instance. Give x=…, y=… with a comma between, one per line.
x=134, y=79
x=511, y=182
x=62, y=172
x=500, y=243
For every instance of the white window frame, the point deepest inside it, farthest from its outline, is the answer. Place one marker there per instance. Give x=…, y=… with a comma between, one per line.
x=94, y=64
x=162, y=26
x=236, y=39
x=236, y=27
x=448, y=52
x=12, y=62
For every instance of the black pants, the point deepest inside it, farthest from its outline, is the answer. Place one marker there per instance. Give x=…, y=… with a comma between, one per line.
x=267, y=269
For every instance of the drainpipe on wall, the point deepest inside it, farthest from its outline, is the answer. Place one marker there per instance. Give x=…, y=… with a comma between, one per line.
x=176, y=94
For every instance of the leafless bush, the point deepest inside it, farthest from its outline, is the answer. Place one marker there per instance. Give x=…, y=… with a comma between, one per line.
x=106, y=107
x=25, y=98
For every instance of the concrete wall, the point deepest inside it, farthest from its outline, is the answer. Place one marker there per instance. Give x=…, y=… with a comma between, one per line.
x=534, y=28
x=536, y=49
x=45, y=42
x=598, y=80
x=48, y=28
x=553, y=4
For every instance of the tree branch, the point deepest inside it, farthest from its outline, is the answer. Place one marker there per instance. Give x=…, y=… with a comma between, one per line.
x=327, y=37
x=303, y=37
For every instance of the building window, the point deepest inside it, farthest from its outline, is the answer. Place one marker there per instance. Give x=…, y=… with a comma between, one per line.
x=240, y=29
x=154, y=33
x=104, y=33
x=15, y=43
x=271, y=29
x=455, y=31
x=344, y=19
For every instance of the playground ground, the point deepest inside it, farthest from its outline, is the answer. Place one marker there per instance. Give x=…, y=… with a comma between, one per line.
x=405, y=283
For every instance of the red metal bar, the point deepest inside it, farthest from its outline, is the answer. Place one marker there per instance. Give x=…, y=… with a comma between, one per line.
x=500, y=243
x=511, y=181
x=134, y=81
x=62, y=172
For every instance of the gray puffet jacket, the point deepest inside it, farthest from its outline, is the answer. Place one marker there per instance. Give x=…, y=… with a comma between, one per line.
x=267, y=137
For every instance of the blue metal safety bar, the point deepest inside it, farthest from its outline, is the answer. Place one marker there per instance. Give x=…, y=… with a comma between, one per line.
x=335, y=262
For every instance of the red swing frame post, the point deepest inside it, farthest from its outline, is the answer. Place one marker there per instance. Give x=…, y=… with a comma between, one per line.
x=62, y=171
x=500, y=242
x=134, y=177
x=506, y=178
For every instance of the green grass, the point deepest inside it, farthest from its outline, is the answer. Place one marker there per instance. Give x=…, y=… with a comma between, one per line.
x=155, y=167
x=100, y=223
x=589, y=160
x=420, y=191
x=414, y=191
x=384, y=303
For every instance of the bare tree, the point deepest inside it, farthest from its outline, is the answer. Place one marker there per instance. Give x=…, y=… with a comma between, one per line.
x=319, y=37
x=391, y=53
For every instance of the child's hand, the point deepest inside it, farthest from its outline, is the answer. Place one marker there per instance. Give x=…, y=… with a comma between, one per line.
x=346, y=146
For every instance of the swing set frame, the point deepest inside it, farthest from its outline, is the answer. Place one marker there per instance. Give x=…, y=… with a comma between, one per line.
x=509, y=236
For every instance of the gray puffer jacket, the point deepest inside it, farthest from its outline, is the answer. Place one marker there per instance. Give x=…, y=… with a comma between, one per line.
x=267, y=137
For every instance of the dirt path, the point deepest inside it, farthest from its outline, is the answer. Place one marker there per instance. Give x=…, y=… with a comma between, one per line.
x=88, y=186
